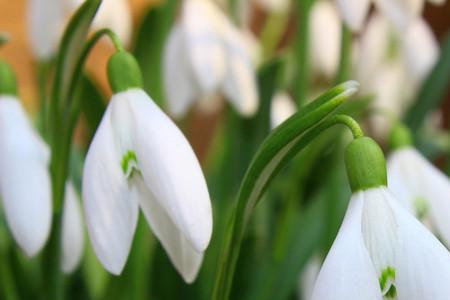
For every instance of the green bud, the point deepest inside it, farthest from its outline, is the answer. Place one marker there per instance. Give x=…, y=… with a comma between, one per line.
x=8, y=84
x=123, y=72
x=399, y=137
x=365, y=164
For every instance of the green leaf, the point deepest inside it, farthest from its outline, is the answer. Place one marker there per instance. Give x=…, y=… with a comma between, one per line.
x=70, y=50
x=433, y=89
x=278, y=148
x=150, y=41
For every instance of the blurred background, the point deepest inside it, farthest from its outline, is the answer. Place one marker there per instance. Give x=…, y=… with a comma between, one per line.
x=17, y=52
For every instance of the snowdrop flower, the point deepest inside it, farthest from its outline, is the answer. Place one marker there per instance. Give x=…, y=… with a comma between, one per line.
x=422, y=188
x=24, y=179
x=392, y=66
x=281, y=108
x=381, y=251
x=116, y=15
x=47, y=20
x=140, y=159
x=72, y=231
x=325, y=38
x=399, y=12
x=205, y=54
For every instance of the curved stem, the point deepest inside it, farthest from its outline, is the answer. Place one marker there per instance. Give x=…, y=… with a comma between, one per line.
x=244, y=207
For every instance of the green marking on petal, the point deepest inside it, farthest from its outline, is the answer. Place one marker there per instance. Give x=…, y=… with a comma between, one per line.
x=421, y=207
x=129, y=164
x=387, y=279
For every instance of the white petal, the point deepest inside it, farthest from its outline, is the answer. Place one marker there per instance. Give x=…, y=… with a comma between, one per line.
x=110, y=206
x=412, y=177
x=178, y=79
x=116, y=15
x=281, y=108
x=170, y=169
x=373, y=46
x=46, y=20
x=420, y=48
x=201, y=22
x=400, y=12
x=325, y=38
x=347, y=272
x=422, y=262
x=240, y=81
x=72, y=231
x=24, y=178
x=354, y=12
x=379, y=229
x=184, y=257
x=388, y=86
x=308, y=277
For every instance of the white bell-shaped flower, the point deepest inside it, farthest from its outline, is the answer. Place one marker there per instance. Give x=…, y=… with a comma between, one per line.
x=281, y=108
x=422, y=188
x=308, y=277
x=72, y=231
x=206, y=54
x=47, y=20
x=392, y=67
x=325, y=38
x=383, y=252
x=140, y=159
x=24, y=177
x=399, y=12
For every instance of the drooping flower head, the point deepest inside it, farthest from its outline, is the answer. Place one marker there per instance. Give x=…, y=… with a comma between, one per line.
x=205, y=54
x=381, y=251
x=419, y=186
x=24, y=179
x=140, y=159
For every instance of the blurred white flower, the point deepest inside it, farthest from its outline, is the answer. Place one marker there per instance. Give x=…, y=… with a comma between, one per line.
x=205, y=54
x=325, y=38
x=308, y=277
x=281, y=108
x=47, y=20
x=116, y=15
x=392, y=66
x=400, y=12
x=273, y=5
x=139, y=158
x=383, y=252
x=422, y=188
x=72, y=240
x=24, y=178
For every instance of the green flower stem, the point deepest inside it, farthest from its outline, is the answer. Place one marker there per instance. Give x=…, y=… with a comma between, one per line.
x=345, y=55
x=302, y=52
x=276, y=151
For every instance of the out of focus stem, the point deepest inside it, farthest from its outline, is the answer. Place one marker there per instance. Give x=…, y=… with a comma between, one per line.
x=302, y=52
x=343, y=72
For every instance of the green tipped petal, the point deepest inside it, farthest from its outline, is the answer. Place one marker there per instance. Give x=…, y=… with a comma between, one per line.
x=365, y=164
